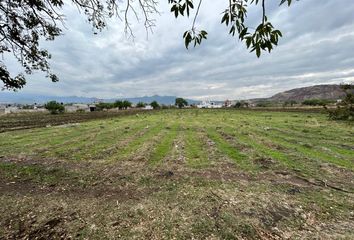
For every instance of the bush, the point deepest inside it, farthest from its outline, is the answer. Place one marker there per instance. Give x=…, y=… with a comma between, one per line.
x=264, y=104
x=241, y=104
x=54, y=107
x=122, y=104
x=289, y=103
x=27, y=107
x=317, y=102
x=155, y=105
x=345, y=110
x=181, y=102
x=140, y=105
x=101, y=106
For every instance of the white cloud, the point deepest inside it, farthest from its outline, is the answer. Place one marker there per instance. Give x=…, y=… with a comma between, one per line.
x=315, y=49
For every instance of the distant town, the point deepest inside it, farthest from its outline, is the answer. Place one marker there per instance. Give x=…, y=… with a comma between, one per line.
x=314, y=96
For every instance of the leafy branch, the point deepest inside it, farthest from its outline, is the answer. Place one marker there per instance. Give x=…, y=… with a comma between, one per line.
x=264, y=38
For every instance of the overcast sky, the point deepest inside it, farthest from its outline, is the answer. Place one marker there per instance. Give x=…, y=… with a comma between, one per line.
x=317, y=48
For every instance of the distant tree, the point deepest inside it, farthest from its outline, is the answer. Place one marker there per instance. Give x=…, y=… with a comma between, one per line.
x=140, y=105
x=25, y=24
x=317, y=102
x=241, y=104
x=122, y=104
x=118, y=104
x=237, y=105
x=126, y=104
x=345, y=109
x=101, y=106
x=54, y=107
x=264, y=104
x=27, y=107
x=181, y=102
x=289, y=103
x=155, y=105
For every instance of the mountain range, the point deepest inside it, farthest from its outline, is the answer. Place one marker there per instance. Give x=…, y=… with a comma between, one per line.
x=24, y=98
x=331, y=92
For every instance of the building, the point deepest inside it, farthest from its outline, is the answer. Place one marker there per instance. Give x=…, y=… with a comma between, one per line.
x=2, y=109
x=209, y=104
x=227, y=103
x=12, y=109
x=78, y=107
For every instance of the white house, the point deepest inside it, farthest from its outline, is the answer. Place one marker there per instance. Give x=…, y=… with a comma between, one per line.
x=148, y=107
x=11, y=109
x=209, y=104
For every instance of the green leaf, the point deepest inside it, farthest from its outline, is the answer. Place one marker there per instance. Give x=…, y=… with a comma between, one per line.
x=258, y=51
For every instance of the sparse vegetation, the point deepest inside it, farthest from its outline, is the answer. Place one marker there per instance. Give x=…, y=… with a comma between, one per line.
x=196, y=173
x=54, y=107
x=101, y=106
x=345, y=109
x=140, y=105
x=317, y=102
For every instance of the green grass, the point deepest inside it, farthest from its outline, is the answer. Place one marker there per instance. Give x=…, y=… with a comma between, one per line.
x=165, y=146
x=34, y=173
x=180, y=174
x=241, y=160
x=195, y=149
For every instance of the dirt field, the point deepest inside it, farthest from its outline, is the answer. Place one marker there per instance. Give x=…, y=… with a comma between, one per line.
x=189, y=174
x=20, y=121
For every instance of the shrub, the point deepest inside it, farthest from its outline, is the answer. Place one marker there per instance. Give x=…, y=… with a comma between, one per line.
x=345, y=109
x=122, y=104
x=181, y=102
x=140, y=105
x=289, y=103
x=155, y=105
x=101, y=106
x=241, y=104
x=317, y=102
x=264, y=104
x=54, y=107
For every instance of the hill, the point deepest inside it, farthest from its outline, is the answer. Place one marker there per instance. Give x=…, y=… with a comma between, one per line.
x=330, y=92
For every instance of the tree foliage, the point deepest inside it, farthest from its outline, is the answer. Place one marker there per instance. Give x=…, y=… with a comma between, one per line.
x=289, y=103
x=102, y=105
x=264, y=38
x=345, y=109
x=122, y=104
x=140, y=105
x=241, y=104
x=181, y=102
x=317, y=102
x=54, y=107
x=155, y=105
x=24, y=24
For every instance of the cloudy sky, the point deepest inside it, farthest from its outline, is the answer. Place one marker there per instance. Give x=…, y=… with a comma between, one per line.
x=317, y=48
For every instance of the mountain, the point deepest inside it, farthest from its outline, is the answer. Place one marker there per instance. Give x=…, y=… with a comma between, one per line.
x=24, y=98
x=167, y=100
x=330, y=92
